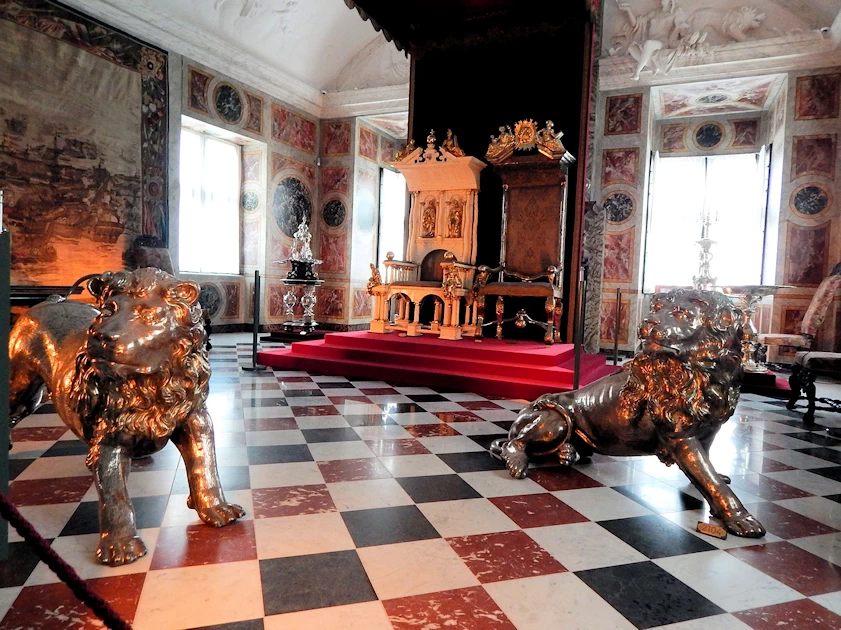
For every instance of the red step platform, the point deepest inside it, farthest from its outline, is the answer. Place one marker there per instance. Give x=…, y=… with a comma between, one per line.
x=524, y=369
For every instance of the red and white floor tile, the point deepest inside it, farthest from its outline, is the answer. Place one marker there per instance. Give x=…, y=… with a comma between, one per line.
x=372, y=506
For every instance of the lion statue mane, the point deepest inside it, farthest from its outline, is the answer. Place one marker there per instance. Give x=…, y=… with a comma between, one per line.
x=731, y=24
x=126, y=376
x=670, y=400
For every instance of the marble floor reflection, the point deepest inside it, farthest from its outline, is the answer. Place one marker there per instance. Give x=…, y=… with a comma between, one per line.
x=375, y=506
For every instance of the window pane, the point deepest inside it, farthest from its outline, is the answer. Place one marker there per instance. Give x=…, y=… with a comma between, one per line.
x=674, y=223
x=392, y=216
x=209, y=208
x=731, y=189
x=736, y=203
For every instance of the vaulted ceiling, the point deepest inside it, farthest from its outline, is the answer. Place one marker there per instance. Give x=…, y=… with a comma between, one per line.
x=315, y=54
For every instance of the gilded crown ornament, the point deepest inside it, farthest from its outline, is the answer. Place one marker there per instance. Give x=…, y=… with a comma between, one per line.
x=449, y=148
x=526, y=137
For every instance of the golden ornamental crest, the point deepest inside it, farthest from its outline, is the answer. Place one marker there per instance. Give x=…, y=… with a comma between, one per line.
x=525, y=137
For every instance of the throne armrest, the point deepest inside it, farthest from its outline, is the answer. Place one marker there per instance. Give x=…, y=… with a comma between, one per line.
x=401, y=271
x=552, y=274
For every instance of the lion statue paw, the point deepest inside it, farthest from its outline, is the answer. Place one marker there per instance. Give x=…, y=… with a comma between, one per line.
x=744, y=525
x=116, y=552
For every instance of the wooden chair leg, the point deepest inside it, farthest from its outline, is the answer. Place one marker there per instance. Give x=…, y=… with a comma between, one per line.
x=549, y=337
x=500, y=309
x=796, y=387
x=808, y=379
x=557, y=315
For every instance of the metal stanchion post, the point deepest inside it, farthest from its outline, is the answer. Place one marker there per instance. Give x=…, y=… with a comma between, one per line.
x=254, y=367
x=578, y=328
x=616, y=327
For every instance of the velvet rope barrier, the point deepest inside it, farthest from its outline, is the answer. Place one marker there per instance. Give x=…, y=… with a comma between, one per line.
x=63, y=570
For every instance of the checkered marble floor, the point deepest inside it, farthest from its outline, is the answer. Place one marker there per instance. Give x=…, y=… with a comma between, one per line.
x=373, y=506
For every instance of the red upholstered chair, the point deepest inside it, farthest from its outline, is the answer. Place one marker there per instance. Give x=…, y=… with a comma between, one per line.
x=808, y=363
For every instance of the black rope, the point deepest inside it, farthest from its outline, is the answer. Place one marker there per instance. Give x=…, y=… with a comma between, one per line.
x=63, y=570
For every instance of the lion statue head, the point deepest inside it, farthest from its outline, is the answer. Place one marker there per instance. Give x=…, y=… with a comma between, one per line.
x=689, y=367
x=144, y=366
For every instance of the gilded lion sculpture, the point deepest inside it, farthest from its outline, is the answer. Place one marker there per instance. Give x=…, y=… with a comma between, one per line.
x=125, y=377
x=670, y=400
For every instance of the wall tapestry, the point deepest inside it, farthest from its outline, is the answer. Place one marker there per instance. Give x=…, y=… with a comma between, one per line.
x=85, y=173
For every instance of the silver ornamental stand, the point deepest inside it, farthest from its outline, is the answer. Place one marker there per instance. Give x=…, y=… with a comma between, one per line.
x=254, y=367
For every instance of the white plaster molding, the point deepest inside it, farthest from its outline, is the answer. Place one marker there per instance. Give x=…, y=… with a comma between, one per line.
x=780, y=54
x=382, y=100
x=211, y=51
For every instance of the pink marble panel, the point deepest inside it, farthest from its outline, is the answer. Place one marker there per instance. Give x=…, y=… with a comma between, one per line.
x=806, y=254
x=619, y=256
x=254, y=121
x=361, y=303
x=335, y=179
x=817, y=96
x=197, y=97
x=368, y=144
x=333, y=251
x=336, y=138
x=607, y=321
x=620, y=166
x=331, y=302
x=232, y=299
x=673, y=138
x=251, y=161
x=292, y=129
x=745, y=133
x=387, y=150
x=281, y=162
x=623, y=114
x=814, y=155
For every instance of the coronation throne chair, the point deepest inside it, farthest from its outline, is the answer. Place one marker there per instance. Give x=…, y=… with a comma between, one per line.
x=534, y=185
x=809, y=363
x=441, y=248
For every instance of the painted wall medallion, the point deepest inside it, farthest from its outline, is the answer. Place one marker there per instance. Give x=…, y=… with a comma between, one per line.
x=210, y=298
x=709, y=135
x=228, y=103
x=334, y=213
x=623, y=114
x=254, y=121
x=811, y=199
x=291, y=204
x=250, y=201
x=817, y=96
x=745, y=133
x=620, y=166
x=712, y=99
x=198, y=83
x=672, y=138
x=618, y=207
x=814, y=155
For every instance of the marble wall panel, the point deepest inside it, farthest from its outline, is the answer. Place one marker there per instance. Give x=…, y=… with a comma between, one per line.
x=607, y=322
x=807, y=248
x=232, y=300
x=361, y=303
x=619, y=256
x=254, y=118
x=280, y=162
x=673, y=138
x=333, y=251
x=620, y=166
x=197, y=85
x=331, y=302
x=335, y=179
x=336, y=139
x=817, y=96
x=368, y=144
x=293, y=129
x=814, y=155
x=623, y=114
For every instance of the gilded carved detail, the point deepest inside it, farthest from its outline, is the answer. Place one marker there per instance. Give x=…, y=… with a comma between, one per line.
x=454, y=220
x=430, y=212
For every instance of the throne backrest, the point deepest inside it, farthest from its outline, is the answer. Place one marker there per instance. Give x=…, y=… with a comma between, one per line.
x=430, y=267
x=819, y=306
